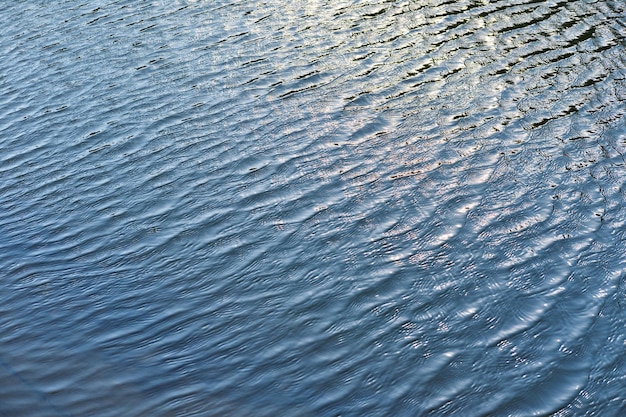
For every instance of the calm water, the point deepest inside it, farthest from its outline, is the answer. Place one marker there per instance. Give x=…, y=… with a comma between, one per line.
x=313, y=208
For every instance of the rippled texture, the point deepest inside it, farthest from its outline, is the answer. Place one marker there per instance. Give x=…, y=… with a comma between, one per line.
x=312, y=208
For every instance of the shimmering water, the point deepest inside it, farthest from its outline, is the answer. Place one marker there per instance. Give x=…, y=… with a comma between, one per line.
x=312, y=208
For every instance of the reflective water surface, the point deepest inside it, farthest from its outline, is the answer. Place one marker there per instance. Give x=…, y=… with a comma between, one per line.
x=316, y=208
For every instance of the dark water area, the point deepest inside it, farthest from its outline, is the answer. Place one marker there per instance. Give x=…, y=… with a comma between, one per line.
x=316, y=208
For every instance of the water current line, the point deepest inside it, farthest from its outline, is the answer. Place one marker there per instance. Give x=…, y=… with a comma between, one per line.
x=43, y=397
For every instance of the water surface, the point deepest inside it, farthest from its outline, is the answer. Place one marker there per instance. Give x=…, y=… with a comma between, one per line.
x=313, y=208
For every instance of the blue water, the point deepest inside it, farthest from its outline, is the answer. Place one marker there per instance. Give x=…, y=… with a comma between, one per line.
x=316, y=208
